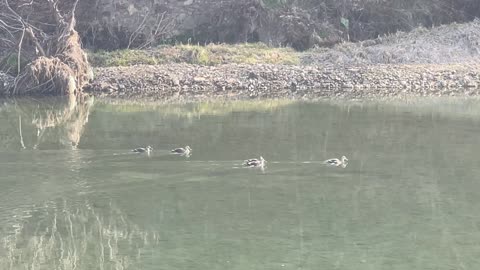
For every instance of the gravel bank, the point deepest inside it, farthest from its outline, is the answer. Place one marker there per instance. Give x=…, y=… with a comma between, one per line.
x=180, y=82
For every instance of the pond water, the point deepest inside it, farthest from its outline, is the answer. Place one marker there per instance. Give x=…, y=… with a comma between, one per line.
x=73, y=196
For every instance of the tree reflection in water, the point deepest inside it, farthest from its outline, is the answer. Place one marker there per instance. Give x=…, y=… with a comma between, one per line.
x=81, y=235
x=53, y=122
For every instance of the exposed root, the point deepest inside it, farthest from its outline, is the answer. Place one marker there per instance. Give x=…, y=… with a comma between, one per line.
x=47, y=76
x=59, y=66
x=65, y=74
x=73, y=55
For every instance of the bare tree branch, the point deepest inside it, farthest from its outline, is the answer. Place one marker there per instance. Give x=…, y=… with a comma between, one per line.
x=56, y=61
x=134, y=34
x=56, y=12
x=19, y=54
x=163, y=26
x=35, y=41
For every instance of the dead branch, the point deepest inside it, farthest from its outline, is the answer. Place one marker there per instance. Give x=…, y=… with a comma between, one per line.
x=163, y=26
x=19, y=55
x=35, y=41
x=137, y=32
x=56, y=12
x=57, y=63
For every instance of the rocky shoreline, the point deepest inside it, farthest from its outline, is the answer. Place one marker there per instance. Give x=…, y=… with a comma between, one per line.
x=187, y=82
x=442, y=61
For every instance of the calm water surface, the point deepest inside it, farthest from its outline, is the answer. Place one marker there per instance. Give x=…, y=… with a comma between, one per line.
x=72, y=196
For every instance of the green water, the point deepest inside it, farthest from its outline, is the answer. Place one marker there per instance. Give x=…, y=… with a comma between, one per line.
x=72, y=196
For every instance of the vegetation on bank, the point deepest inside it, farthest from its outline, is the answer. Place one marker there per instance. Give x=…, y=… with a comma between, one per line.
x=454, y=43
x=40, y=46
x=212, y=54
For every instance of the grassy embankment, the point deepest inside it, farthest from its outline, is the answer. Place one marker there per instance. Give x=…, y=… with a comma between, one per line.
x=212, y=54
x=452, y=43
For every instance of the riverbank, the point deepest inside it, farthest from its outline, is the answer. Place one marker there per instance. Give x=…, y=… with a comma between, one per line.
x=441, y=61
x=180, y=82
x=446, y=44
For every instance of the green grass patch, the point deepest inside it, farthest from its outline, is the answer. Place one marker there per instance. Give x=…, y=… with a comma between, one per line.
x=9, y=63
x=212, y=54
x=121, y=58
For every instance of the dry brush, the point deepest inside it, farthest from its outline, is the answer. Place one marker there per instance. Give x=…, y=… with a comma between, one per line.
x=40, y=37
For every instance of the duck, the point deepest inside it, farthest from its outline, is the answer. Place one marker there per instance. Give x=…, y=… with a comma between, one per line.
x=147, y=150
x=343, y=161
x=254, y=162
x=182, y=151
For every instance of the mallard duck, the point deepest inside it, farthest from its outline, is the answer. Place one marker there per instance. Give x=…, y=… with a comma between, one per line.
x=147, y=150
x=337, y=162
x=182, y=151
x=254, y=162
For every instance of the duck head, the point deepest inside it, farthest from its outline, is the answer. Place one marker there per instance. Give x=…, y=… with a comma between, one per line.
x=344, y=159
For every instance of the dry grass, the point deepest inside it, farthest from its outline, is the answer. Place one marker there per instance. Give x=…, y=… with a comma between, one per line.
x=65, y=73
x=212, y=54
x=454, y=43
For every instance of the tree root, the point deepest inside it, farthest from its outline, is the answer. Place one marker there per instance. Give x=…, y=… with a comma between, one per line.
x=59, y=66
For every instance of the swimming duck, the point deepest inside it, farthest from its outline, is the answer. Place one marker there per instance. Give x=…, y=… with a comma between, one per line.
x=337, y=162
x=182, y=151
x=147, y=150
x=254, y=162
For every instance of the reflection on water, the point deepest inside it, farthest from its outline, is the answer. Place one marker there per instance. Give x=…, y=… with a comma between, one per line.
x=52, y=121
x=407, y=199
x=58, y=235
